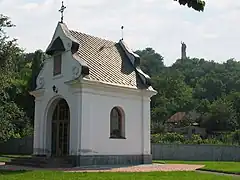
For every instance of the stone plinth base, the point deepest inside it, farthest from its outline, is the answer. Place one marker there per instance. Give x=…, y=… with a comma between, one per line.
x=95, y=160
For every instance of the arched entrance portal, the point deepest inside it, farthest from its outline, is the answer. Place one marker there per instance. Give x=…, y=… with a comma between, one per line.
x=60, y=129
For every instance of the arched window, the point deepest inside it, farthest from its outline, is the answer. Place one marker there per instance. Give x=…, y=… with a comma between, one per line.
x=117, y=123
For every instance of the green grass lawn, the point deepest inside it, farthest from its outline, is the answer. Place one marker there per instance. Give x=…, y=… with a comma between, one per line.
x=45, y=175
x=233, y=167
x=54, y=175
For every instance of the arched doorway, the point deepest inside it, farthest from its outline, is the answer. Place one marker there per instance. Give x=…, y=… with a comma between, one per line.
x=60, y=129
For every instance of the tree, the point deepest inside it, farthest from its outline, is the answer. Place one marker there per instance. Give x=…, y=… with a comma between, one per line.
x=221, y=116
x=151, y=62
x=209, y=88
x=173, y=95
x=8, y=53
x=12, y=118
x=197, y=5
x=37, y=61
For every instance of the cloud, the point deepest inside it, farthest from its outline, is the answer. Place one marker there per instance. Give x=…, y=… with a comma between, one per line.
x=161, y=24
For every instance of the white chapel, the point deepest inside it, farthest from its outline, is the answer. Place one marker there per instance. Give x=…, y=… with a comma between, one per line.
x=92, y=102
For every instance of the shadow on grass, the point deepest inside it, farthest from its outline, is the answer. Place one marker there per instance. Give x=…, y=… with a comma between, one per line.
x=169, y=160
x=218, y=171
x=12, y=172
x=13, y=155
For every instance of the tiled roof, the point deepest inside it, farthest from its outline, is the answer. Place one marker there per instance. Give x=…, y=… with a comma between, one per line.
x=106, y=60
x=177, y=117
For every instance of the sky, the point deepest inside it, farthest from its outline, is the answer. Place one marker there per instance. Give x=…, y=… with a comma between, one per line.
x=160, y=24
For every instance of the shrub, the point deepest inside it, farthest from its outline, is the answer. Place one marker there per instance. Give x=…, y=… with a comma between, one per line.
x=235, y=137
x=195, y=139
x=167, y=138
x=175, y=138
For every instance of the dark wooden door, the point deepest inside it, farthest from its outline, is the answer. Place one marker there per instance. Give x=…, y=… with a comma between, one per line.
x=60, y=129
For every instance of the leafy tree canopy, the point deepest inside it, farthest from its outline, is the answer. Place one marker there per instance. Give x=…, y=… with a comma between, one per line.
x=197, y=5
x=13, y=78
x=207, y=87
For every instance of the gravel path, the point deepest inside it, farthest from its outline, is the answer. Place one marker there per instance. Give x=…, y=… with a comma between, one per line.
x=144, y=168
x=138, y=168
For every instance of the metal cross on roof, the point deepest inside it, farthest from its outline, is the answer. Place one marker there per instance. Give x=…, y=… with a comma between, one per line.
x=122, y=27
x=62, y=11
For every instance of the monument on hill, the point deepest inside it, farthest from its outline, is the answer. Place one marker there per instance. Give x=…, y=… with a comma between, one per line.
x=183, y=52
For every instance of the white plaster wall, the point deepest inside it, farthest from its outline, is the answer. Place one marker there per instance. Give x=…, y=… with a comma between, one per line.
x=37, y=126
x=43, y=118
x=90, y=113
x=65, y=92
x=96, y=124
x=146, y=132
x=68, y=63
x=42, y=137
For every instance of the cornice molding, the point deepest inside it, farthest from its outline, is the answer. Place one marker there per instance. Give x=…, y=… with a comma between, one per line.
x=37, y=93
x=102, y=86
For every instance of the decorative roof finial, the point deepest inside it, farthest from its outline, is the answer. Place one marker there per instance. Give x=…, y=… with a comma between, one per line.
x=62, y=11
x=122, y=31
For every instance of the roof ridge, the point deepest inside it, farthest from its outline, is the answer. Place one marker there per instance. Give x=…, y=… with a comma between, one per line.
x=93, y=36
